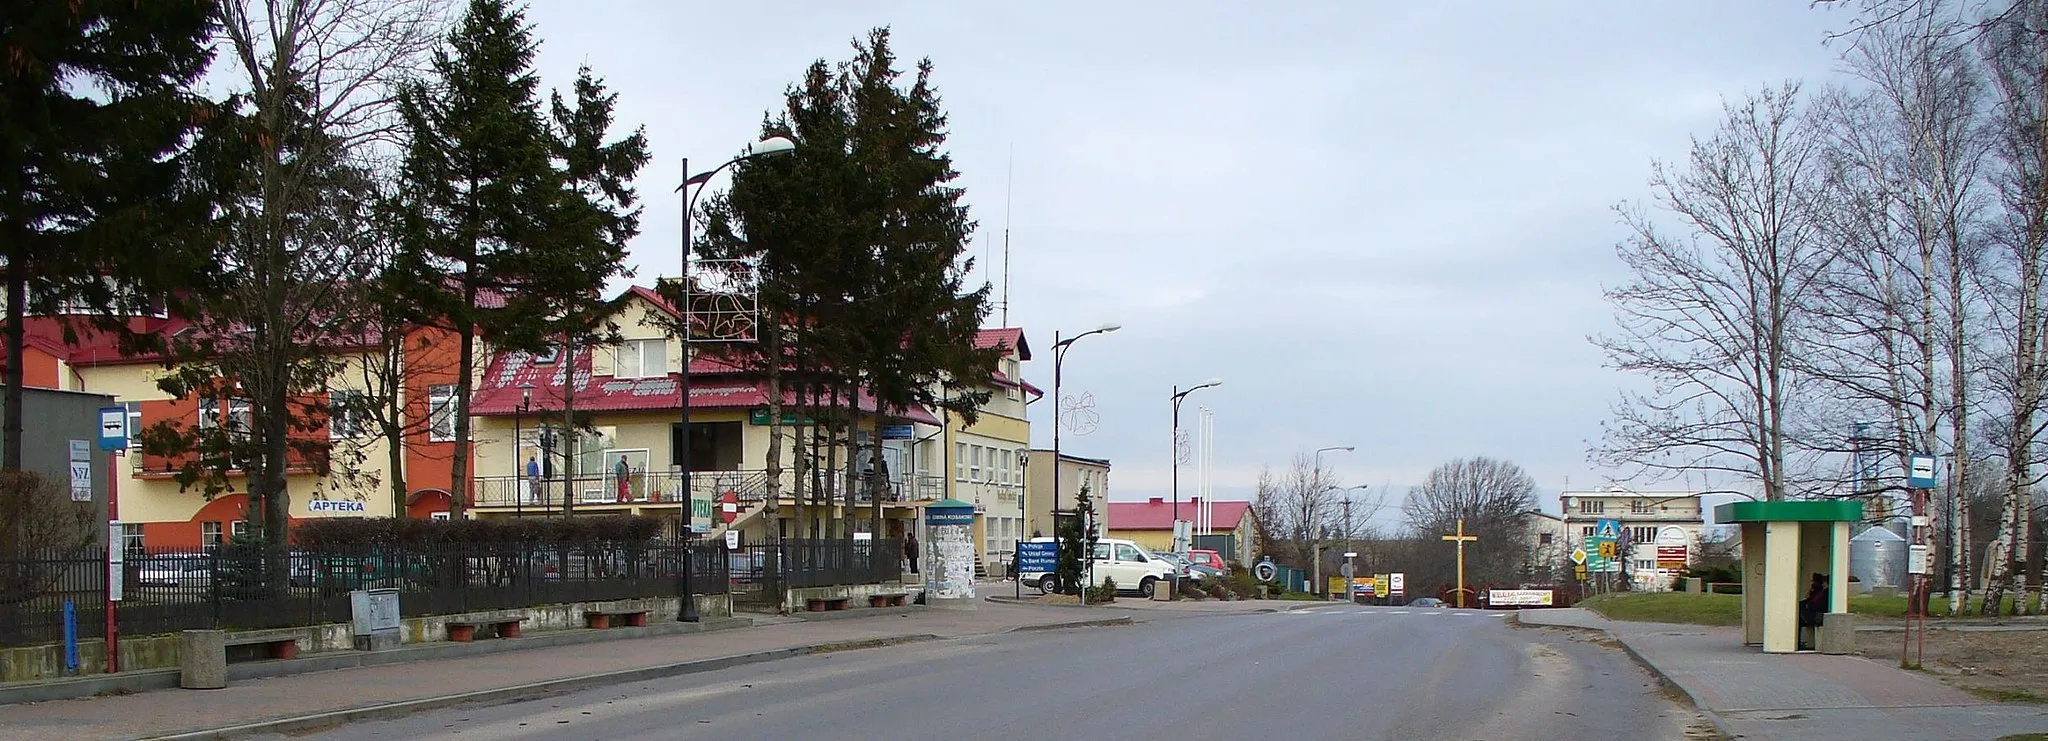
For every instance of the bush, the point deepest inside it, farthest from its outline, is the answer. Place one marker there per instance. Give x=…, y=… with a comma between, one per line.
x=1103, y=594
x=408, y=531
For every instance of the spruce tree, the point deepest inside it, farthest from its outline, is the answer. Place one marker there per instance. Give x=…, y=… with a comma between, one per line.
x=104, y=205
x=479, y=198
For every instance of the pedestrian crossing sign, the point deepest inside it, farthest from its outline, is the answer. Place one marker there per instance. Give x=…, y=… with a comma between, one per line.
x=1610, y=529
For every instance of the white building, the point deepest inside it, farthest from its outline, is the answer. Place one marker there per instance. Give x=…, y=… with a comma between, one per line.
x=1651, y=523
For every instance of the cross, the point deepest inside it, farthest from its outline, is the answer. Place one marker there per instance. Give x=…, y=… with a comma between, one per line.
x=1461, y=538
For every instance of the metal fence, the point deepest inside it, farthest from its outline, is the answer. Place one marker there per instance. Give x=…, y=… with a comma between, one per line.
x=229, y=588
x=760, y=573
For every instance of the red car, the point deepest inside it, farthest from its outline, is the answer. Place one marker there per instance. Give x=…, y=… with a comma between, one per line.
x=1210, y=559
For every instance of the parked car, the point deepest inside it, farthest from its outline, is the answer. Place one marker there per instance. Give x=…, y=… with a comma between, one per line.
x=1129, y=564
x=175, y=571
x=1210, y=559
x=1427, y=602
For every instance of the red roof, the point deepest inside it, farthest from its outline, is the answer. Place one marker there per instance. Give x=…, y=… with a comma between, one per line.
x=1008, y=338
x=1157, y=513
x=499, y=393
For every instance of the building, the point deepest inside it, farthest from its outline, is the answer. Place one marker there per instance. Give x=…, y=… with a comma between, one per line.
x=987, y=459
x=1233, y=528
x=59, y=442
x=1649, y=523
x=1547, y=554
x=1075, y=472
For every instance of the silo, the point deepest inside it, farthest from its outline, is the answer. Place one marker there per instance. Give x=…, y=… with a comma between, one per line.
x=1878, y=558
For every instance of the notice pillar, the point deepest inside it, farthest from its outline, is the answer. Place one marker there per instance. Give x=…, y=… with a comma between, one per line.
x=949, y=554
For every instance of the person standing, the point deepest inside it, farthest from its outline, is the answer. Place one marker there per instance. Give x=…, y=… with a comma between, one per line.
x=910, y=550
x=532, y=478
x=624, y=473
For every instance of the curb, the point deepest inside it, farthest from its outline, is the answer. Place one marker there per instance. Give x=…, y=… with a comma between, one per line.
x=1103, y=623
x=303, y=723
x=1720, y=725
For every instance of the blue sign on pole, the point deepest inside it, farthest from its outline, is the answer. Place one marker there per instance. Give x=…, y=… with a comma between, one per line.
x=1037, y=558
x=1920, y=472
x=1610, y=529
x=113, y=428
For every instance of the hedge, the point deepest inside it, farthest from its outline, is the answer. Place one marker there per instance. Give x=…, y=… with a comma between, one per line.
x=408, y=531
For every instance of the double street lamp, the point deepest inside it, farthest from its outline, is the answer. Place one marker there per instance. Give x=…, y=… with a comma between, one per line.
x=766, y=147
x=1180, y=547
x=1059, y=356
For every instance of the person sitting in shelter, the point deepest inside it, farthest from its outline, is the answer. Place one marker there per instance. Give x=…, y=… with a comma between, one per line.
x=1813, y=610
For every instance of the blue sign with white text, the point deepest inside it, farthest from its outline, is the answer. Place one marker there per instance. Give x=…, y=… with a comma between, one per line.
x=1037, y=558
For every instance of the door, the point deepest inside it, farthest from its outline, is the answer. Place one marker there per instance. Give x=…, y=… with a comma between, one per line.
x=1131, y=566
x=1104, y=563
x=635, y=483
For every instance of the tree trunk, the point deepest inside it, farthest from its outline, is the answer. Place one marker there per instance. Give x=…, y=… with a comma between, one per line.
x=771, y=490
x=575, y=432
x=465, y=370
x=394, y=420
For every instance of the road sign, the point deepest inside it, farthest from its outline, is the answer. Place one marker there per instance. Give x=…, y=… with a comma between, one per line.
x=1266, y=571
x=1671, y=557
x=1397, y=583
x=1579, y=572
x=113, y=428
x=1346, y=570
x=1038, y=558
x=1579, y=556
x=1610, y=529
x=1920, y=471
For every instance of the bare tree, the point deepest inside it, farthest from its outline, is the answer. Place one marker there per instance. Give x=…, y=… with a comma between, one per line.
x=2015, y=48
x=1711, y=319
x=1298, y=509
x=1491, y=497
x=315, y=79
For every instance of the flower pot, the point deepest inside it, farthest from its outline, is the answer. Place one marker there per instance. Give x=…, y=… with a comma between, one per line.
x=462, y=633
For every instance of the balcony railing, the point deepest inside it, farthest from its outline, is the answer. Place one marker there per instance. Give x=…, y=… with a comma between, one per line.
x=519, y=493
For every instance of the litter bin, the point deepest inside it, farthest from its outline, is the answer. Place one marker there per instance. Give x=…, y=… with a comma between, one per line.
x=203, y=660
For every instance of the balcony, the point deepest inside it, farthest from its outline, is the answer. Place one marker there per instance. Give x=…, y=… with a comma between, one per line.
x=664, y=489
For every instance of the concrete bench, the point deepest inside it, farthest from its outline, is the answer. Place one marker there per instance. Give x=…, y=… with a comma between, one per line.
x=463, y=628
x=888, y=600
x=609, y=618
x=826, y=604
x=203, y=654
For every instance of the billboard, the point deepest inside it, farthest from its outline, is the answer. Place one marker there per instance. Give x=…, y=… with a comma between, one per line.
x=1519, y=597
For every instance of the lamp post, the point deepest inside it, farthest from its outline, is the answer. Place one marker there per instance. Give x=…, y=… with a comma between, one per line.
x=519, y=475
x=1318, y=482
x=770, y=146
x=1059, y=355
x=766, y=147
x=1178, y=546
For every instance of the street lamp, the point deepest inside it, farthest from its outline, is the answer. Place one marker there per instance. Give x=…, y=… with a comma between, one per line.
x=766, y=147
x=1178, y=395
x=520, y=477
x=1178, y=546
x=1059, y=356
x=1319, y=480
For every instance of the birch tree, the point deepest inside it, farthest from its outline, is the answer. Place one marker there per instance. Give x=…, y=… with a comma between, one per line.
x=1710, y=317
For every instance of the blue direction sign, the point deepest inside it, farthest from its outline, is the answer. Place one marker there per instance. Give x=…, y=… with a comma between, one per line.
x=1037, y=558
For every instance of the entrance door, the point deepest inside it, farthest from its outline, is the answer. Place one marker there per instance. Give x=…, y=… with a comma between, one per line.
x=634, y=487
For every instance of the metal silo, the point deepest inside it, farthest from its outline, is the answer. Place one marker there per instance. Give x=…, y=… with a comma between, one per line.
x=1878, y=558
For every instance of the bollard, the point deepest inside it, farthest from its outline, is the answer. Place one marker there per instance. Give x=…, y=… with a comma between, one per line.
x=203, y=660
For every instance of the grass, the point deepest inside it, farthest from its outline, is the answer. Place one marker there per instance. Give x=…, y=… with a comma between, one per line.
x=1726, y=609
x=1300, y=597
x=2025, y=737
x=1668, y=607
x=2002, y=694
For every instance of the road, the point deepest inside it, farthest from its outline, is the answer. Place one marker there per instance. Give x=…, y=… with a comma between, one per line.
x=1335, y=672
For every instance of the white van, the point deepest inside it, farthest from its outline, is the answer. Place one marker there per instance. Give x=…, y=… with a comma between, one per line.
x=1133, y=567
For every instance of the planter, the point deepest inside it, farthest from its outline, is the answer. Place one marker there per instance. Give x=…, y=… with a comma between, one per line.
x=814, y=605
x=597, y=620
x=462, y=633
x=878, y=601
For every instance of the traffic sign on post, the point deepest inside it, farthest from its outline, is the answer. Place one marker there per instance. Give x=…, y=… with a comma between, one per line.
x=113, y=428
x=1920, y=471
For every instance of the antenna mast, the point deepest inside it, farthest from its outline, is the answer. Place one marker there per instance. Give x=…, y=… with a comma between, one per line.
x=1010, y=180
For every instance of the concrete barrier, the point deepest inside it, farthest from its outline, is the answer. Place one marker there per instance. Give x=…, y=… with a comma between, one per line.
x=203, y=660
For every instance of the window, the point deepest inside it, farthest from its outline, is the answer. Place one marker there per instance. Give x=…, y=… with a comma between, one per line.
x=240, y=419
x=974, y=464
x=547, y=356
x=238, y=528
x=345, y=414
x=134, y=428
x=1002, y=467
x=1016, y=389
x=1638, y=507
x=441, y=414
x=1586, y=532
x=209, y=534
x=1642, y=535
x=642, y=359
x=209, y=413
x=1127, y=552
x=131, y=537
x=1543, y=539
x=960, y=461
x=1592, y=506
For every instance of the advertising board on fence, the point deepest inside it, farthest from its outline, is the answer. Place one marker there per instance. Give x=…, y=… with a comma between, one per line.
x=1518, y=597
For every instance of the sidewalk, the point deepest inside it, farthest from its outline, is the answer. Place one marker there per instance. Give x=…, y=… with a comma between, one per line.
x=1812, y=697
x=169, y=713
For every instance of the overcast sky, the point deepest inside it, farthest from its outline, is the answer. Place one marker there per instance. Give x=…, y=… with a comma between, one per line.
x=1384, y=225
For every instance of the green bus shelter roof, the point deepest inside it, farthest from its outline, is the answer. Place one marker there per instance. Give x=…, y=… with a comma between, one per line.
x=1831, y=510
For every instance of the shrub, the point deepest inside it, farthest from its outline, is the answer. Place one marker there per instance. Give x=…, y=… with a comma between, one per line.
x=1103, y=594
x=408, y=531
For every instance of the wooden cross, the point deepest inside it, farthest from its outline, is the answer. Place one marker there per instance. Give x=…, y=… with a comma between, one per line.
x=1461, y=539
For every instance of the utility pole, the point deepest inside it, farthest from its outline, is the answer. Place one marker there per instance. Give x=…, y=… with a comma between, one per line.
x=1461, y=539
x=1347, y=525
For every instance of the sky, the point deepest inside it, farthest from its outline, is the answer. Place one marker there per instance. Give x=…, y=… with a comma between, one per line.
x=1382, y=225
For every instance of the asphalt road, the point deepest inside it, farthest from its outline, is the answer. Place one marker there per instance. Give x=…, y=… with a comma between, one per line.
x=1338, y=672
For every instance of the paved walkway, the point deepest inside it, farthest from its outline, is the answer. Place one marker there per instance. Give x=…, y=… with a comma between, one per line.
x=1807, y=696
x=167, y=712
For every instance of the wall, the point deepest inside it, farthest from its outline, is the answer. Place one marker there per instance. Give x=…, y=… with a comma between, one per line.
x=1157, y=541
x=54, y=420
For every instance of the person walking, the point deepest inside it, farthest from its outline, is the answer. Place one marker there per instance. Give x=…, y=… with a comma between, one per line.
x=910, y=550
x=624, y=472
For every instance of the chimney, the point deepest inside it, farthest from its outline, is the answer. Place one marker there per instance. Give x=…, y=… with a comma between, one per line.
x=1159, y=500
x=1194, y=500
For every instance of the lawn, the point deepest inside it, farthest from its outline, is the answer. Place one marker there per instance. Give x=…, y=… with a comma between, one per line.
x=1726, y=609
